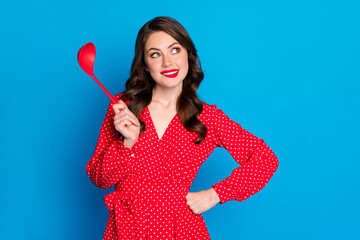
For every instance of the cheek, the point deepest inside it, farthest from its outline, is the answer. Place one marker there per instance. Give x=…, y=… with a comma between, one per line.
x=185, y=63
x=185, y=60
x=153, y=69
x=151, y=66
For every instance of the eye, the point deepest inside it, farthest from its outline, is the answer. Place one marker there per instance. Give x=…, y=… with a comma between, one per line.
x=154, y=55
x=175, y=50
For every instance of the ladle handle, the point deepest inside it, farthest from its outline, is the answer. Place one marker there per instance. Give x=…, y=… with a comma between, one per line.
x=104, y=89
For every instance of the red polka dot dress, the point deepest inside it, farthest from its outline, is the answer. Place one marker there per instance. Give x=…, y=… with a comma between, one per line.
x=153, y=177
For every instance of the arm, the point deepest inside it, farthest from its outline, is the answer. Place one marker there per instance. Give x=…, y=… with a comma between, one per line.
x=257, y=160
x=110, y=161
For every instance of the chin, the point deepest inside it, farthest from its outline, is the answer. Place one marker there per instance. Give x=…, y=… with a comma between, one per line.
x=170, y=85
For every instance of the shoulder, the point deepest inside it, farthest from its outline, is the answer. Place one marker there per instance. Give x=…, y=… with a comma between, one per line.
x=209, y=113
x=213, y=115
x=210, y=109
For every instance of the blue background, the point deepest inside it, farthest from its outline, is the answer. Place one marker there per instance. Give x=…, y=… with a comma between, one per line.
x=287, y=71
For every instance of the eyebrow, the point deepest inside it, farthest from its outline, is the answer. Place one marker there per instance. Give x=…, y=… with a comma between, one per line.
x=159, y=49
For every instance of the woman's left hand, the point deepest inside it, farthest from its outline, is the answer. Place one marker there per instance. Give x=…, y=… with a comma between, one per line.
x=202, y=201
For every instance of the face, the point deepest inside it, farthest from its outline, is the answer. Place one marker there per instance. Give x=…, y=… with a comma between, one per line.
x=166, y=60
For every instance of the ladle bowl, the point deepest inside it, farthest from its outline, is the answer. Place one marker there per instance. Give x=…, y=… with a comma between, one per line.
x=86, y=59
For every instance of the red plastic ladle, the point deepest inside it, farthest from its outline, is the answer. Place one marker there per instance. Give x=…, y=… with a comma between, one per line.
x=86, y=59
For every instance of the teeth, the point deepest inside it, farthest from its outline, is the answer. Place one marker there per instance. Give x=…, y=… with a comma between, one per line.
x=169, y=73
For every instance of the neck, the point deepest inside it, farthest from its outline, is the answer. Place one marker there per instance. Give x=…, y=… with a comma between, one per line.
x=166, y=96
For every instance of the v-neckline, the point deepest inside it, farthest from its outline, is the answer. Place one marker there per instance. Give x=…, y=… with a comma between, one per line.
x=154, y=128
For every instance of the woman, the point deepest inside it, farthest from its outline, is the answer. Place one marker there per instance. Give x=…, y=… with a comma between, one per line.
x=154, y=140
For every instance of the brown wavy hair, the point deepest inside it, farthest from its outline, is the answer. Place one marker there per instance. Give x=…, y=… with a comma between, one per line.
x=140, y=84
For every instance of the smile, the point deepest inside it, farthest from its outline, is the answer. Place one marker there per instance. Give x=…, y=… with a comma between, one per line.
x=170, y=73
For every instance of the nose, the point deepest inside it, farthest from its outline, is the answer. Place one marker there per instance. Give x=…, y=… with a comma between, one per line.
x=167, y=61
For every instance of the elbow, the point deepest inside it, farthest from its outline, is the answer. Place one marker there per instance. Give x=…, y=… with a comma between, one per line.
x=99, y=183
x=97, y=180
x=272, y=160
x=275, y=160
x=273, y=163
x=102, y=186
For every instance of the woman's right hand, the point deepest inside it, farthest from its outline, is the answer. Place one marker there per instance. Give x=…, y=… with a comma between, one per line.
x=126, y=123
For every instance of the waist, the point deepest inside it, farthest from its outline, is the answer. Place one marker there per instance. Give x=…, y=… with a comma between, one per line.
x=170, y=191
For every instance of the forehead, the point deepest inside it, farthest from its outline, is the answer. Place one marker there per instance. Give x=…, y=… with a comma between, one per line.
x=159, y=40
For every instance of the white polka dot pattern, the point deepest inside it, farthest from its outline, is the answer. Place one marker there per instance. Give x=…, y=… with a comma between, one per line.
x=153, y=177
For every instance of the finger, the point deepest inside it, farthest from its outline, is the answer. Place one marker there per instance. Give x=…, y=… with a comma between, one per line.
x=189, y=195
x=190, y=202
x=129, y=116
x=123, y=124
x=119, y=115
x=124, y=106
x=194, y=209
x=120, y=111
x=119, y=106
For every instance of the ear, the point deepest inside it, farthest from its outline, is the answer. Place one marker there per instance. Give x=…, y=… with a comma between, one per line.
x=146, y=68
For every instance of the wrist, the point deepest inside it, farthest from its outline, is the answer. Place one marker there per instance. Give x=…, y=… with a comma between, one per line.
x=129, y=143
x=214, y=195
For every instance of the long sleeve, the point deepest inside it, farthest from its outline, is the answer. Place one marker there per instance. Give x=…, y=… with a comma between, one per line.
x=111, y=160
x=257, y=160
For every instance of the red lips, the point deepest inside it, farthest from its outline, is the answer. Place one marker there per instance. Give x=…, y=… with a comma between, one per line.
x=170, y=73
